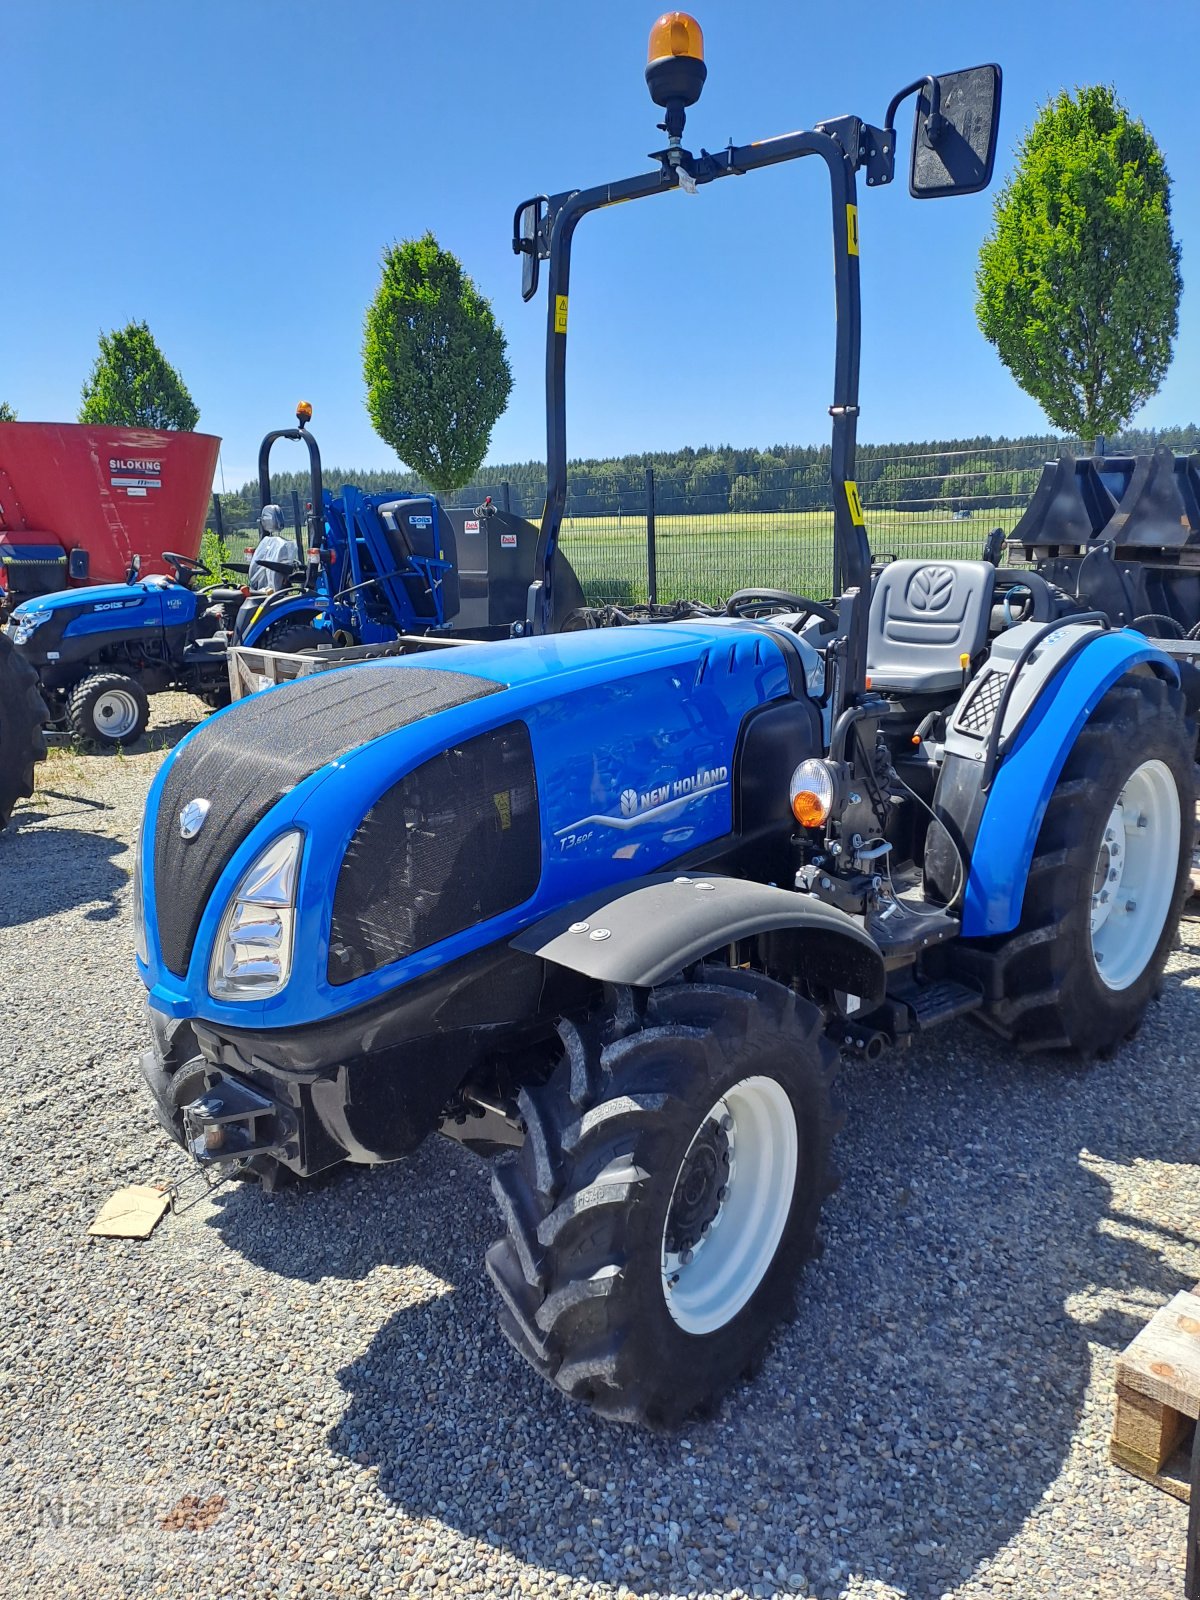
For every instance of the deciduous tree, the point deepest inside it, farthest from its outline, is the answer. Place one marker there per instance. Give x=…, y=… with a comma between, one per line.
x=1079, y=280
x=133, y=385
x=434, y=362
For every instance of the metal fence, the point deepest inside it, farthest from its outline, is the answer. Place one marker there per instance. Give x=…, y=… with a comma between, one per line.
x=703, y=532
x=667, y=535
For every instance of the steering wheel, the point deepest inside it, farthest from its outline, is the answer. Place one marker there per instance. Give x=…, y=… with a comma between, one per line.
x=186, y=567
x=752, y=603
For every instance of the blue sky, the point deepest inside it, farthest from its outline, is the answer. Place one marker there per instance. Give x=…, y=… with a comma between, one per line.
x=230, y=170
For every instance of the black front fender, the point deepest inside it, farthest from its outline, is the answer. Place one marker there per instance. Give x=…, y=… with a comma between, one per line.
x=646, y=931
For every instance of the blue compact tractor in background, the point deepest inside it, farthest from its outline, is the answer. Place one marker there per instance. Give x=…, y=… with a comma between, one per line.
x=372, y=569
x=100, y=652
x=383, y=567
x=605, y=905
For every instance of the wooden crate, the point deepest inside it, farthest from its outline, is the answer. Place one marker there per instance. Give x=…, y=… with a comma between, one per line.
x=1158, y=1397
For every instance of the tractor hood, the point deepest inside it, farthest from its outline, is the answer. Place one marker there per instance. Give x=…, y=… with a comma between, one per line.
x=445, y=800
x=74, y=623
x=70, y=601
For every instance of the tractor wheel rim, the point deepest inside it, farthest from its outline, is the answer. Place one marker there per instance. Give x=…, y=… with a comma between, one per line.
x=115, y=714
x=1133, y=882
x=708, y=1279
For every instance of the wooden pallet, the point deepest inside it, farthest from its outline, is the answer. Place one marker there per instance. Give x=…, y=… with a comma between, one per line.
x=1158, y=1398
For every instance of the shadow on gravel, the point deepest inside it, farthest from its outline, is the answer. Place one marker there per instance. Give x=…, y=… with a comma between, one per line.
x=59, y=868
x=904, y=1425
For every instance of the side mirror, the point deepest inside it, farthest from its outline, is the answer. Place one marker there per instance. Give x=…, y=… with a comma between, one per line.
x=527, y=224
x=78, y=564
x=270, y=520
x=954, y=135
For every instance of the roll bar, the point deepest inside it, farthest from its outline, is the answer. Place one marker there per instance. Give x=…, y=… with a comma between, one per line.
x=545, y=228
x=316, y=514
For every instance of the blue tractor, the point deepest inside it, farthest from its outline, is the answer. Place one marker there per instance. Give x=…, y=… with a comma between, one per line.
x=100, y=652
x=385, y=567
x=606, y=904
x=375, y=567
x=371, y=569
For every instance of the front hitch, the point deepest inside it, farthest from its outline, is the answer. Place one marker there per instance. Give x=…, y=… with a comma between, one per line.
x=232, y=1122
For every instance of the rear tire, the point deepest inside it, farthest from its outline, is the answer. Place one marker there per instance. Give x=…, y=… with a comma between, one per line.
x=294, y=640
x=1110, y=872
x=22, y=741
x=107, y=709
x=667, y=1194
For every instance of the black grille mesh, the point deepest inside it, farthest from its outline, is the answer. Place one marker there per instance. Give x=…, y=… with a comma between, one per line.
x=453, y=843
x=976, y=716
x=244, y=761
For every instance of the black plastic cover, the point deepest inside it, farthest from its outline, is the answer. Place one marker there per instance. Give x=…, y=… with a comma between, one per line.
x=454, y=843
x=245, y=760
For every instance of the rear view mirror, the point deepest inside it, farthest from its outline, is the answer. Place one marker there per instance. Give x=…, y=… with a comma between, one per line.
x=78, y=564
x=954, y=137
x=526, y=227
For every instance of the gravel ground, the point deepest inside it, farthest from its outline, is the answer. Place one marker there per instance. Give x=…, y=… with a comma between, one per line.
x=307, y=1395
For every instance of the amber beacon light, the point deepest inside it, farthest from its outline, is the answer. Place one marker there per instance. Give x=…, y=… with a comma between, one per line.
x=675, y=70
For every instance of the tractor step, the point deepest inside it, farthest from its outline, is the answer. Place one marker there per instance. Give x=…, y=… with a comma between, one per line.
x=934, y=1003
x=906, y=926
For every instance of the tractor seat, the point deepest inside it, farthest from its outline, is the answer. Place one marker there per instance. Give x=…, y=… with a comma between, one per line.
x=925, y=616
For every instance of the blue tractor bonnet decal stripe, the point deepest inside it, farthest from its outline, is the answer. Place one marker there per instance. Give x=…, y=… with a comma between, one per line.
x=633, y=742
x=1028, y=772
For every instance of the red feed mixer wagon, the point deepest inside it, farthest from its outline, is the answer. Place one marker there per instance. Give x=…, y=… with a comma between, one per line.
x=78, y=504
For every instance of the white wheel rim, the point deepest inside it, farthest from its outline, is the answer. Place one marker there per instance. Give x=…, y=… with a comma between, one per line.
x=705, y=1287
x=115, y=714
x=1133, y=882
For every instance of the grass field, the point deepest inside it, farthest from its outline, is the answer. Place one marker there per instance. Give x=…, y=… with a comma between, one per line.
x=707, y=558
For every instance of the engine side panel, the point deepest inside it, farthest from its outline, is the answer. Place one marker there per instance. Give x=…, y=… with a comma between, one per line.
x=634, y=734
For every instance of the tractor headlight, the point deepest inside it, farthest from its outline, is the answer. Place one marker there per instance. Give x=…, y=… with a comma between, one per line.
x=252, y=956
x=139, y=903
x=812, y=792
x=25, y=623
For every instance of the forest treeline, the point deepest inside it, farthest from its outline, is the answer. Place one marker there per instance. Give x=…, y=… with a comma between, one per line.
x=974, y=473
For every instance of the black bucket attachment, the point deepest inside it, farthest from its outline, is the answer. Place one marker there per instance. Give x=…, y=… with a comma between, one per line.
x=1160, y=509
x=1070, y=506
x=497, y=561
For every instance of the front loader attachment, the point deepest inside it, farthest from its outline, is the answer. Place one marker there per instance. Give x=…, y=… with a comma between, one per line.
x=1160, y=510
x=1070, y=506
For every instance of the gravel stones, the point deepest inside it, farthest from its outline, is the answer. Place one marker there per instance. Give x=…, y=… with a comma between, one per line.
x=305, y=1394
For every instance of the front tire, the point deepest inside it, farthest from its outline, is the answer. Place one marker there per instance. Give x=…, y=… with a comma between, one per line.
x=1110, y=872
x=667, y=1194
x=107, y=709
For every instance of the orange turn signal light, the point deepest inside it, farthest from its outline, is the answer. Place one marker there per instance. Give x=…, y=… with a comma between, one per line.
x=811, y=792
x=676, y=34
x=808, y=809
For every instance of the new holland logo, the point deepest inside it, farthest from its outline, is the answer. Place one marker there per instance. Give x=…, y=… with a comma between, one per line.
x=191, y=818
x=931, y=588
x=660, y=804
